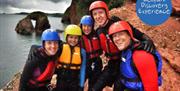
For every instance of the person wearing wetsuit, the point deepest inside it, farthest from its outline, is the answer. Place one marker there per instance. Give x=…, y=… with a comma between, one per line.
x=138, y=70
x=71, y=64
x=102, y=21
x=90, y=42
x=40, y=64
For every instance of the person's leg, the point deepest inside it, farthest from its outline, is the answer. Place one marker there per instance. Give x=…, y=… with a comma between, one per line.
x=89, y=72
x=90, y=82
x=113, y=66
x=73, y=85
x=88, y=68
x=44, y=88
x=118, y=86
x=61, y=86
x=96, y=71
x=98, y=66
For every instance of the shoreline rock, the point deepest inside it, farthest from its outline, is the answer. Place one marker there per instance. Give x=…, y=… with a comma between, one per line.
x=13, y=84
x=25, y=26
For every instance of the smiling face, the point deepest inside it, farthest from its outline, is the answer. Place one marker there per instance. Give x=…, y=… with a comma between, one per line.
x=99, y=16
x=51, y=47
x=86, y=29
x=72, y=40
x=121, y=40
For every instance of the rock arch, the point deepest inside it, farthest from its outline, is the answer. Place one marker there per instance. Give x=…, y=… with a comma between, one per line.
x=25, y=26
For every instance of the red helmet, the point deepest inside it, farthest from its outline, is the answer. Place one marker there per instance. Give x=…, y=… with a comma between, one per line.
x=99, y=4
x=120, y=26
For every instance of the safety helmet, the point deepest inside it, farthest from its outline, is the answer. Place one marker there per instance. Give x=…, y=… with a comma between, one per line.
x=50, y=34
x=72, y=30
x=120, y=26
x=86, y=20
x=97, y=5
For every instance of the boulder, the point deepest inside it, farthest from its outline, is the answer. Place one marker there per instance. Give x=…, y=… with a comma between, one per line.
x=25, y=25
x=42, y=22
x=70, y=15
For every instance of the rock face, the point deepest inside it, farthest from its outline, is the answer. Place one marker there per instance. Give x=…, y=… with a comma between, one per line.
x=75, y=10
x=70, y=15
x=78, y=8
x=166, y=38
x=13, y=85
x=25, y=26
x=176, y=7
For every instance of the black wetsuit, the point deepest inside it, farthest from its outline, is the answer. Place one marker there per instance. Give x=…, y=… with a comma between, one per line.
x=93, y=65
x=36, y=58
x=69, y=79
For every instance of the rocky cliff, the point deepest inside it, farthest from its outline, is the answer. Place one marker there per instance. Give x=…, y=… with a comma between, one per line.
x=78, y=8
x=70, y=15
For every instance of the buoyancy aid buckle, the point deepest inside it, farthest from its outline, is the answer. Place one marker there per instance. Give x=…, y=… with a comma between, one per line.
x=68, y=66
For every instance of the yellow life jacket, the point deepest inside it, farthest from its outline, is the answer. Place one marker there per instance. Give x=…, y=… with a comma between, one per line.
x=70, y=59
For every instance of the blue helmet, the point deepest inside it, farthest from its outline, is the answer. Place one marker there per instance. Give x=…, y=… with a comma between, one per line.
x=50, y=34
x=86, y=20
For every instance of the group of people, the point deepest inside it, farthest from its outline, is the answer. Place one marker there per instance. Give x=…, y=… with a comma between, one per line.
x=133, y=64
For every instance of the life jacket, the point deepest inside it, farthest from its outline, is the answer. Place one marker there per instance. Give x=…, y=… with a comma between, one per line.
x=107, y=45
x=41, y=79
x=132, y=77
x=70, y=59
x=92, y=46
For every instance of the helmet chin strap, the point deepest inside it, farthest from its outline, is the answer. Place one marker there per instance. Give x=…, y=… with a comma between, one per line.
x=104, y=23
x=47, y=53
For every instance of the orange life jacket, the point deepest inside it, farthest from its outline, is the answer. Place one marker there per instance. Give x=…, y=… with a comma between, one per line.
x=70, y=59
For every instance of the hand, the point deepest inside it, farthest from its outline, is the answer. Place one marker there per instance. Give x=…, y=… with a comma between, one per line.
x=104, y=58
x=53, y=81
x=50, y=87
